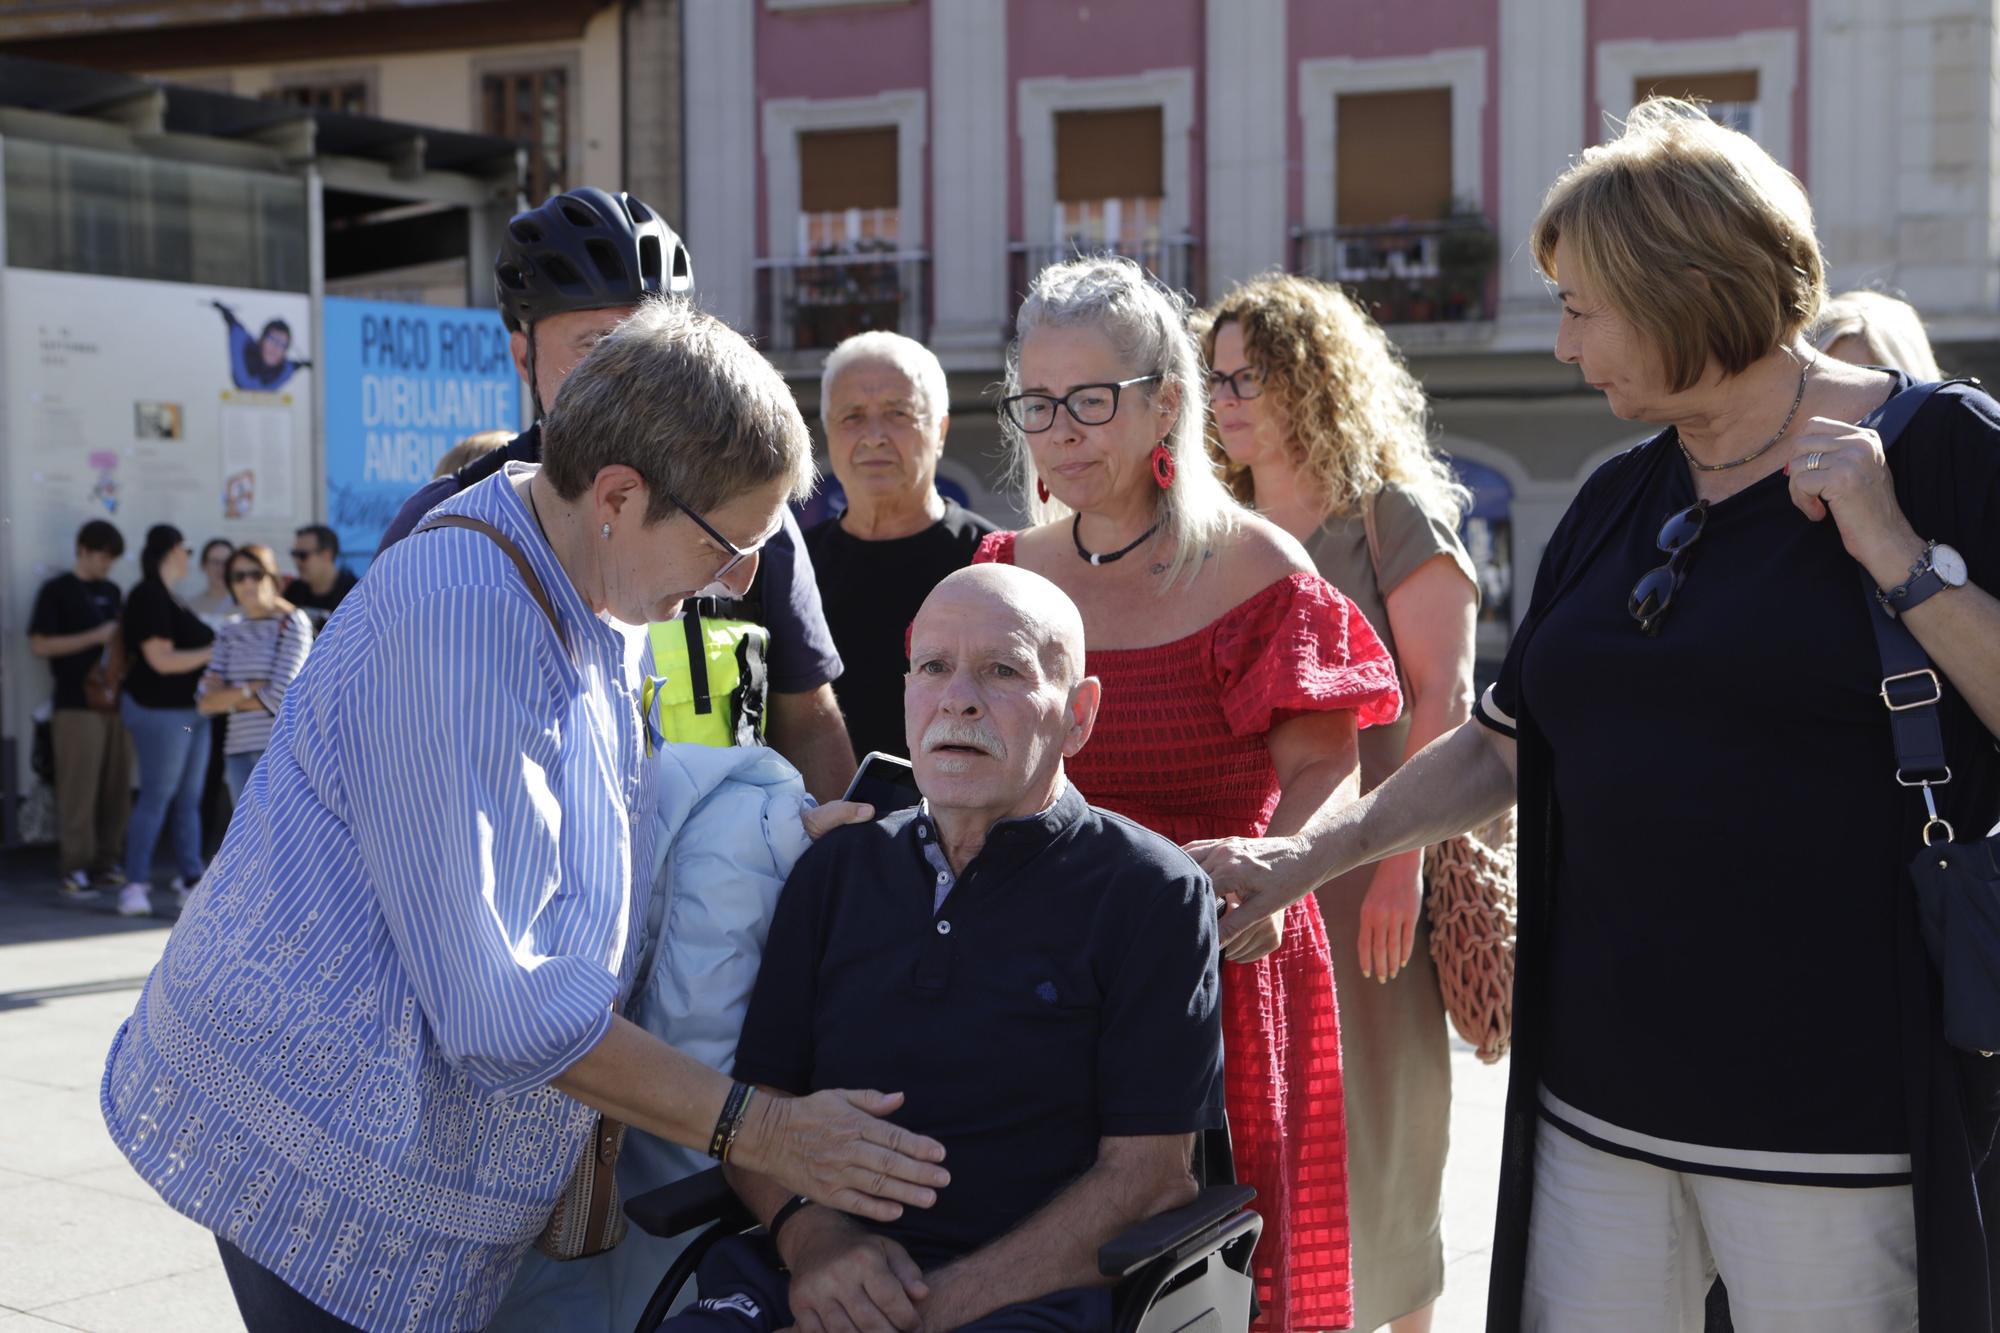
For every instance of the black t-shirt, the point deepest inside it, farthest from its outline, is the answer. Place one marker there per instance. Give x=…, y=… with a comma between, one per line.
x=1066, y=991
x=872, y=591
x=152, y=612
x=784, y=594
x=319, y=607
x=1732, y=836
x=70, y=605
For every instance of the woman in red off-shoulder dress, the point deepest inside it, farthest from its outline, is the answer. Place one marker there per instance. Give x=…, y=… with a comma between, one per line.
x=1234, y=679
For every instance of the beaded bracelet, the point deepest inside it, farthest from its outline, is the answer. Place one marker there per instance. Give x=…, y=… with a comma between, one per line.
x=730, y=1122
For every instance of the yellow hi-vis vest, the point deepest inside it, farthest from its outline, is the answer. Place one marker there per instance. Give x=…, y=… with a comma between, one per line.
x=712, y=677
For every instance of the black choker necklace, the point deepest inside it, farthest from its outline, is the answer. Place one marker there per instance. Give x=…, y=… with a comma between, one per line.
x=1076, y=535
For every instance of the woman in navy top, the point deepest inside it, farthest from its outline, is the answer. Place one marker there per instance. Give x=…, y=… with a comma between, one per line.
x=1727, y=1053
x=370, y=1055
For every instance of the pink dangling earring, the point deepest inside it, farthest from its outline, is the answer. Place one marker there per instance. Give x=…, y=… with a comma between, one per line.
x=1042, y=489
x=1163, y=465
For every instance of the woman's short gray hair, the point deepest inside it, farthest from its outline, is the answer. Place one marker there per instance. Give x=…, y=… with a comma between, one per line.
x=1148, y=325
x=683, y=400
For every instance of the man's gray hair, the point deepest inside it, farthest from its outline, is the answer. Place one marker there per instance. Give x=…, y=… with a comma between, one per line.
x=1147, y=323
x=683, y=400
x=908, y=355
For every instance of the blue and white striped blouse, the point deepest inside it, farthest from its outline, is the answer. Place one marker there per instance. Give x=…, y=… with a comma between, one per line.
x=270, y=649
x=422, y=913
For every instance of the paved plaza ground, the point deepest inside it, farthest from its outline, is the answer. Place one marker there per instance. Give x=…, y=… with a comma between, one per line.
x=85, y=1244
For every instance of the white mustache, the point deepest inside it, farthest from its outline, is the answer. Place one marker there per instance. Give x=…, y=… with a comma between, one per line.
x=947, y=732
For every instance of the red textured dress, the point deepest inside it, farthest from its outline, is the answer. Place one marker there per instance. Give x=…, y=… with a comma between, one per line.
x=1180, y=747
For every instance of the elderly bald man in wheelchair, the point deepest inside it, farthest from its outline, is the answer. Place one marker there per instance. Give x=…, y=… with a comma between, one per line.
x=1038, y=980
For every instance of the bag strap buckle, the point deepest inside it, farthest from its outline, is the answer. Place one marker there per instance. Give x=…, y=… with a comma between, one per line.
x=1936, y=820
x=1923, y=673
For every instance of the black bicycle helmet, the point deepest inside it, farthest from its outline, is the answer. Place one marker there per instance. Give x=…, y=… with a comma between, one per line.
x=586, y=250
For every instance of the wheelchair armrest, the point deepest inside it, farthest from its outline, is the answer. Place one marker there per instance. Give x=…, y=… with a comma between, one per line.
x=688, y=1203
x=1158, y=1236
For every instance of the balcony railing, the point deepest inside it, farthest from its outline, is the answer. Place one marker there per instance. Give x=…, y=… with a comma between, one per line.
x=1172, y=262
x=1414, y=273
x=811, y=304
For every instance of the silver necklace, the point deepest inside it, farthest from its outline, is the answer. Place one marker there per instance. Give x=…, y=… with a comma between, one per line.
x=1767, y=445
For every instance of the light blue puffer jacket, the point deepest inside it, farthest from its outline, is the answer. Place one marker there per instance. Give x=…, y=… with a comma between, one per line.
x=729, y=831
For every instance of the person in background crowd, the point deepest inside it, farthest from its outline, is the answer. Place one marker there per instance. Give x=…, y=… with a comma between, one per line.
x=1235, y=679
x=166, y=648
x=567, y=273
x=470, y=450
x=75, y=616
x=390, y=1012
x=1321, y=428
x=1713, y=863
x=886, y=409
x=1866, y=328
x=213, y=603
x=323, y=582
x=256, y=658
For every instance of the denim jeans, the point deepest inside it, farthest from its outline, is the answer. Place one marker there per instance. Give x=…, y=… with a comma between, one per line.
x=266, y=1302
x=236, y=770
x=173, y=745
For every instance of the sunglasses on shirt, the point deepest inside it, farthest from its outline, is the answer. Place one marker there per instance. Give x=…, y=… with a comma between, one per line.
x=1656, y=589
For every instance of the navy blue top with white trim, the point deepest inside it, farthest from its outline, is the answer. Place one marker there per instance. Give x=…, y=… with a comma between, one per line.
x=421, y=915
x=1066, y=990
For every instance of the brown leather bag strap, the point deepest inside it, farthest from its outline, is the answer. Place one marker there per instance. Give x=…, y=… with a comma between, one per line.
x=514, y=553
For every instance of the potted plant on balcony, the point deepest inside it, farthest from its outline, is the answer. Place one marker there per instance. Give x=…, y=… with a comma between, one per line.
x=1467, y=252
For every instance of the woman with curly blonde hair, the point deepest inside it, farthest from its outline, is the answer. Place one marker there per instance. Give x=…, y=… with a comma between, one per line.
x=1319, y=426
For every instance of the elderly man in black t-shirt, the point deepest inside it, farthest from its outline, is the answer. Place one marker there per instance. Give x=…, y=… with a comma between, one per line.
x=1036, y=978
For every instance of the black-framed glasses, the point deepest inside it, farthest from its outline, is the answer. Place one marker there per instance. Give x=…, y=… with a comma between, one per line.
x=1244, y=384
x=1087, y=405
x=300, y=556
x=737, y=554
x=248, y=575
x=1656, y=589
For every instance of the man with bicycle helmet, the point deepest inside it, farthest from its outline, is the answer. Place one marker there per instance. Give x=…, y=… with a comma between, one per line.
x=762, y=668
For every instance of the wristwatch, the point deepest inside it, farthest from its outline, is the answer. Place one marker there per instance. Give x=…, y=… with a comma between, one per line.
x=1939, y=567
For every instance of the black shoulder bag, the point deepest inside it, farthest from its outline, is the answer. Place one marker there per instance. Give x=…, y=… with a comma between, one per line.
x=1957, y=883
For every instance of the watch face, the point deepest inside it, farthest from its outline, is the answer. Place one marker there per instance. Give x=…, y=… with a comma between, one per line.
x=1949, y=564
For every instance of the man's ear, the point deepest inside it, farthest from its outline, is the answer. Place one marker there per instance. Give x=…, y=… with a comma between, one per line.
x=1083, y=702
x=517, y=343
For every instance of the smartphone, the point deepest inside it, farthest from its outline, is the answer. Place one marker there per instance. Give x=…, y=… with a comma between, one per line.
x=885, y=782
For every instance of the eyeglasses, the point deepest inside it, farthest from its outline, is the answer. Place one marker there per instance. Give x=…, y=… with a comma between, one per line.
x=301, y=555
x=247, y=575
x=1087, y=405
x=1655, y=591
x=1244, y=384
x=737, y=554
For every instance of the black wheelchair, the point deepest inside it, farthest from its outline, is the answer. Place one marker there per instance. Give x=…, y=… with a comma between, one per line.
x=1182, y=1271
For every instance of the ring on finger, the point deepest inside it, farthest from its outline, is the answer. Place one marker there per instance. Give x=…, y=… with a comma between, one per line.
x=1815, y=461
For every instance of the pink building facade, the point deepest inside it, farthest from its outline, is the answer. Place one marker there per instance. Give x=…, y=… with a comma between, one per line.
x=1281, y=143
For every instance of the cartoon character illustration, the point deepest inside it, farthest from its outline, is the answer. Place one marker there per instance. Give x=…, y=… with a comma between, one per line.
x=259, y=362
x=105, y=492
x=239, y=494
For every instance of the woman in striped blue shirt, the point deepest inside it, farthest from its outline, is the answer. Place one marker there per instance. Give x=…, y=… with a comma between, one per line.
x=256, y=659
x=370, y=1057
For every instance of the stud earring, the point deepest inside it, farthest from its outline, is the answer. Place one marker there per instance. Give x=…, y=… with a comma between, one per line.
x=606, y=530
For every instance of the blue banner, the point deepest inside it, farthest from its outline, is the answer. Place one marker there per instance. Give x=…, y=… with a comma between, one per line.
x=404, y=383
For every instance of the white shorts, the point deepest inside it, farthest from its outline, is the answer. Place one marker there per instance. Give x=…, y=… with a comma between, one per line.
x=1623, y=1246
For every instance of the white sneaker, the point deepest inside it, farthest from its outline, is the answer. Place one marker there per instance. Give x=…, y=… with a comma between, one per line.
x=135, y=900
x=183, y=890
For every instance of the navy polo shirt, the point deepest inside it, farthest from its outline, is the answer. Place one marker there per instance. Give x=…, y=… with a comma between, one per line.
x=1066, y=991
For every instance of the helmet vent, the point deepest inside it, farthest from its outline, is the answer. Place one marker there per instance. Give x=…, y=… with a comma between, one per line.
x=649, y=260
x=578, y=214
x=638, y=212
x=605, y=256
x=525, y=231
x=561, y=272
x=510, y=276
x=681, y=269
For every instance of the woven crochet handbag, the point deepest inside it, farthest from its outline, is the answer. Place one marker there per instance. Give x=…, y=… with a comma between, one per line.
x=1470, y=900
x=587, y=1219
